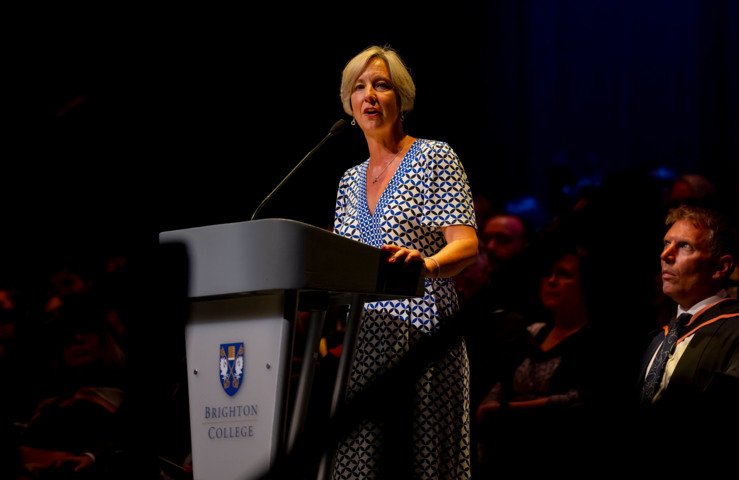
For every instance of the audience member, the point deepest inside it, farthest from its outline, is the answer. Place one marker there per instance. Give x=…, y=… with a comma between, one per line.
x=472, y=280
x=64, y=281
x=692, y=189
x=499, y=301
x=74, y=431
x=539, y=410
x=693, y=365
x=13, y=403
x=504, y=236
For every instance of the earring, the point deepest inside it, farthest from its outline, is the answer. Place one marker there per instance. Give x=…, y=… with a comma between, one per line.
x=353, y=122
x=402, y=116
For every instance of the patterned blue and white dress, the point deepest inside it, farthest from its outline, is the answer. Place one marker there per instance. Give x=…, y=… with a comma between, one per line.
x=429, y=190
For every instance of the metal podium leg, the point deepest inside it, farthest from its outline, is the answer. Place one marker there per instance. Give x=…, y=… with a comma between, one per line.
x=356, y=306
x=347, y=352
x=305, y=382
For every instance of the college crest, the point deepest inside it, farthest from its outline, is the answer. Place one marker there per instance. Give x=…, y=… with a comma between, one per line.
x=231, y=366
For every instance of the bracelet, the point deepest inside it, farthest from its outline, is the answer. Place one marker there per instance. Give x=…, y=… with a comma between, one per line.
x=438, y=267
x=91, y=455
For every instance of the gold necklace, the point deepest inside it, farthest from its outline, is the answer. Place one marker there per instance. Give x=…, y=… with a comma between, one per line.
x=375, y=179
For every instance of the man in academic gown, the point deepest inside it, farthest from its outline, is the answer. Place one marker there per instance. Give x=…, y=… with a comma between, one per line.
x=696, y=390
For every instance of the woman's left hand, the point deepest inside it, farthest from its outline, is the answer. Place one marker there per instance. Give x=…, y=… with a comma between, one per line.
x=402, y=254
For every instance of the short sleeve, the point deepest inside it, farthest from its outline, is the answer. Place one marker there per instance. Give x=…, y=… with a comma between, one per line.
x=448, y=197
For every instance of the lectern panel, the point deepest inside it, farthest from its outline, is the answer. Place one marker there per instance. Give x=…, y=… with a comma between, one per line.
x=236, y=352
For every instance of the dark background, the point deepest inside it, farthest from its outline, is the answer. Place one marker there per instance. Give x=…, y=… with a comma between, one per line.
x=124, y=123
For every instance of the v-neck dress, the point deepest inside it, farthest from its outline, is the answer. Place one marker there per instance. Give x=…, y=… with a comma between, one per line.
x=429, y=190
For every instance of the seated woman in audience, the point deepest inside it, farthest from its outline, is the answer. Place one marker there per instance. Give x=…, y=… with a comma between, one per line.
x=545, y=398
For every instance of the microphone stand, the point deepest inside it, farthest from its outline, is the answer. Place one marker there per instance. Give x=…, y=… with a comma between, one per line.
x=337, y=127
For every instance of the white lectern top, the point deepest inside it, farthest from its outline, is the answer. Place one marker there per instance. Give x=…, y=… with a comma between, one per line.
x=285, y=254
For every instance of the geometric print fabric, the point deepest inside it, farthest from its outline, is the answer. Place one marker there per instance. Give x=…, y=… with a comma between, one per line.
x=428, y=191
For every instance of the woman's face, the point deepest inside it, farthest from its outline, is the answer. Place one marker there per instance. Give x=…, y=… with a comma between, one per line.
x=374, y=100
x=562, y=285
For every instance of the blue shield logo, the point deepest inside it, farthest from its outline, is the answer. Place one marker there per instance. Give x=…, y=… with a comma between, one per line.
x=231, y=367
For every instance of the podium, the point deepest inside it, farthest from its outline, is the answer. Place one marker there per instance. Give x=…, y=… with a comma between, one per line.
x=248, y=282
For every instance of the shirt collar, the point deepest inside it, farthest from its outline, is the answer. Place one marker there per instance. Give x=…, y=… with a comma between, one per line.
x=721, y=294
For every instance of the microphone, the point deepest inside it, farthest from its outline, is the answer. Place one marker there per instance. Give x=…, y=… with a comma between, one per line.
x=337, y=128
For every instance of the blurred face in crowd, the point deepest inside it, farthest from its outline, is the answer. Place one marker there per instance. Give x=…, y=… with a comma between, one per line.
x=472, y=279
x=680, y=192
x=82, y=346
x=689, y=271
x=503, y=237
x=561, y=286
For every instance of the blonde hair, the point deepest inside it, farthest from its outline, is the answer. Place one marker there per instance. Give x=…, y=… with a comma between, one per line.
x=722, y=234
x=399, y=75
